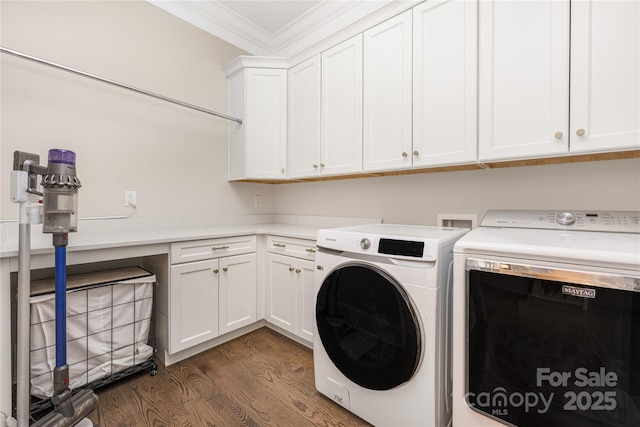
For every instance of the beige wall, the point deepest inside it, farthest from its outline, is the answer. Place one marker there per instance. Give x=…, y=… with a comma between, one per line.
x=174, y=158
x=417, y=199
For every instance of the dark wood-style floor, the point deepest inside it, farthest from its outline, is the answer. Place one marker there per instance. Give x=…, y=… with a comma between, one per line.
x=259, y=379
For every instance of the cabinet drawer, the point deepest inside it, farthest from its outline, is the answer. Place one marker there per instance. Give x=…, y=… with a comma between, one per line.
x=197, y=250
x=299, y=248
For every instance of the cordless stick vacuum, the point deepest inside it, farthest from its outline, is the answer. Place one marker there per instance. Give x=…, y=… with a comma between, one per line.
x=58, y=213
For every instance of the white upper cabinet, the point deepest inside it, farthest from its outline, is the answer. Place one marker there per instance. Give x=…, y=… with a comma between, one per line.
x=531, y=105
x=387, y=95
x=523, y=79
x=445, y=52
x=605, y=76
x=303, y=147
x=341, y=104
x=258, y=147
x=448, y=82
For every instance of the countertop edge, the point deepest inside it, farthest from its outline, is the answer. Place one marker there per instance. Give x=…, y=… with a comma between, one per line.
x=96, y=241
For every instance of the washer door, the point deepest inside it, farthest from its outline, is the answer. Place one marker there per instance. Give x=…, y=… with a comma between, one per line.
x=368, y=326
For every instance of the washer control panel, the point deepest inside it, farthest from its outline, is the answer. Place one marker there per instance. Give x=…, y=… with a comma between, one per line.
x=613, y=221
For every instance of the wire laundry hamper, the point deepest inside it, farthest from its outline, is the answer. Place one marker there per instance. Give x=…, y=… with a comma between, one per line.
x=110, y=330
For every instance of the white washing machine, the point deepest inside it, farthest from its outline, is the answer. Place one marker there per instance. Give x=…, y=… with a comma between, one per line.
x=380, y=345
x=546, y=320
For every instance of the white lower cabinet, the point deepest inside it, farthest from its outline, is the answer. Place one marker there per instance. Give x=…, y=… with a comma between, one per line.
x=281, y=292
x=237, y=292
x=305, y=313
x=193, y=304
x=210, y=297
x=290, y=292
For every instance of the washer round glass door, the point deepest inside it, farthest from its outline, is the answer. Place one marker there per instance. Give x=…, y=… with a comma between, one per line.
x=368, y=326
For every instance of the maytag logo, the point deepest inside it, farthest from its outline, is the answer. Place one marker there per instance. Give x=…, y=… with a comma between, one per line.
x=578, y=292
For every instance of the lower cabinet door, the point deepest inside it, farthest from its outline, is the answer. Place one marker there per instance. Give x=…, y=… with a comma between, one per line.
x=281, y=291
x=193, y=304
x=306, y=300
x=237, y=292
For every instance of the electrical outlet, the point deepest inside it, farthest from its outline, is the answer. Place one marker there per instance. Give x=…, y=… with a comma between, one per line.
x=130, y=198
x=257, y=201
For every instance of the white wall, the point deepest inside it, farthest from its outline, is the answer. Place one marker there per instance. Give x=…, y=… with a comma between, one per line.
x=175, y=158
x=417, y=199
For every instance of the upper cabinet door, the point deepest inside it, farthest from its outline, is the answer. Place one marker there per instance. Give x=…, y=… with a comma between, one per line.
x=605, y=76
x=523, y=79
x=258, y=148
x=387, y=95
x=445, y=52
x=266, y=121
x=303, y=148
x=341, y=134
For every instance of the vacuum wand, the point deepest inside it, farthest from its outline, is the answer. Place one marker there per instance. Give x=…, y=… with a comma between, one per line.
x=60, y=206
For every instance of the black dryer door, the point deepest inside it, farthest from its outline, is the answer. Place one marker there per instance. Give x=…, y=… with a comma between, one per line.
x=368, y=326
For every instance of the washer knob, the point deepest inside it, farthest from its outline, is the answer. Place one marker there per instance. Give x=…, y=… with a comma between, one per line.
x=566, y=218
x=365, y=243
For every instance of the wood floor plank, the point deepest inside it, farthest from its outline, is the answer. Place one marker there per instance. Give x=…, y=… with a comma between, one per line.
x=262, y=379
x=244, y=384
x=274, y=369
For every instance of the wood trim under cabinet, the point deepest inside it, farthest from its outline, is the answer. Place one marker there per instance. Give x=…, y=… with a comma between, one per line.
x=633, y=154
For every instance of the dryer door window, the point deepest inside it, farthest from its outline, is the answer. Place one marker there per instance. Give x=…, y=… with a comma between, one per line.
x=552, y=352
x=368, y=326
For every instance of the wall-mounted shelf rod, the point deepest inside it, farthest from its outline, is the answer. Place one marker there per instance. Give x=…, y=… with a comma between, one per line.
x=121, y=85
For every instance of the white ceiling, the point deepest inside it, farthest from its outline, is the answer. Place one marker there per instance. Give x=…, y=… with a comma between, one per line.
x=271, y=16
x=274, y=27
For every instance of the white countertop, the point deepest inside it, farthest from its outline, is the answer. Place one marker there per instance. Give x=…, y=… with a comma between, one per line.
x=121, y=232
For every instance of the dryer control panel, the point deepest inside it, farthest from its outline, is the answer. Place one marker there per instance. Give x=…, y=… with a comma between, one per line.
x=613, y=221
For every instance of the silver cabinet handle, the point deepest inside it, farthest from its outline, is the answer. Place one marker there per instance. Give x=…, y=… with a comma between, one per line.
x=224, y=269
x=311, y=250
x=279, y=245
x=416, y=153
x=404, y=154
x=558, y=135
x=321, y=165
x=291, y=268
x=315, y=166
x=298, y=270
x=580, y=132
x=215, y=248
x=216, y=271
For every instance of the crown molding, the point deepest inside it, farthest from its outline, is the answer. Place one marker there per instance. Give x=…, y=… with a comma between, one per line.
x=221, y=22
x=245, y=61
x=319, y=23
x=315, y=43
